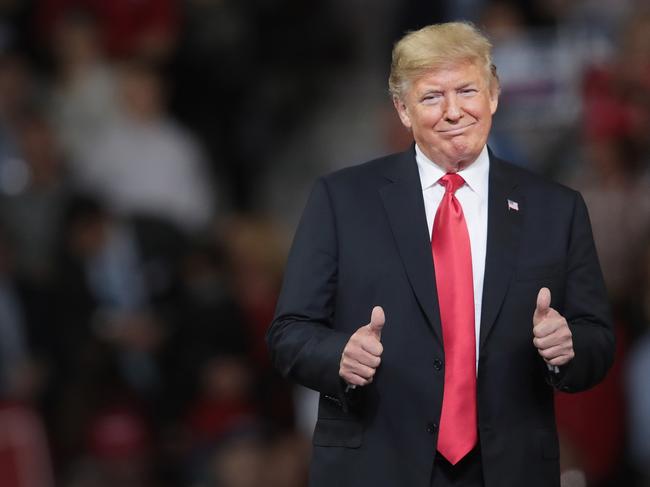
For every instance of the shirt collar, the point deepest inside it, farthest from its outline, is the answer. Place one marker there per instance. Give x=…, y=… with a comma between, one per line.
x=475, y=175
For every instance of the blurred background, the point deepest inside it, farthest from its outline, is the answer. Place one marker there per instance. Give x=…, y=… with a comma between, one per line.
x=155, y=156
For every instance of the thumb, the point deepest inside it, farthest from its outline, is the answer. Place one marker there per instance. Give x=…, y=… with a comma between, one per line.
x=543, y=304
x=377, y=320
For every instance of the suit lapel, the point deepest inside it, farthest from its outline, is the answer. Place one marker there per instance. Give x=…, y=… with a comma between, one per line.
x=402, y=199
x=404, y=205
x=504, y=232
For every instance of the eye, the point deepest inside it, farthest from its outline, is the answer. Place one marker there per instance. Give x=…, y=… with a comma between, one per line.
x=431, y=97
x=468, y=91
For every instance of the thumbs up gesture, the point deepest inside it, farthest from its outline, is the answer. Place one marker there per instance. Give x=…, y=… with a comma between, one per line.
x=362, y=354
x=552, y=336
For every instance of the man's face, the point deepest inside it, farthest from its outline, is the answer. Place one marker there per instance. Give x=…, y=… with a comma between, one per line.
x=449, y=111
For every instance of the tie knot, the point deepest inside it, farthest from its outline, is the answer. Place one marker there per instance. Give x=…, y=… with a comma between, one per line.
x=451, y=182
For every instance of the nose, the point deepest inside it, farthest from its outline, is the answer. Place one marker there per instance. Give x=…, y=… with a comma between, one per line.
x=453, y=112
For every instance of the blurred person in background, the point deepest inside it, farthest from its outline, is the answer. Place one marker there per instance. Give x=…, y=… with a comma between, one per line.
x=83, y=99
x=103, y=259
x=20, y=373
x=16, y=94
x=118, y=450
x=223, y=407
x=145, y=164
x=615, y=180
x=362, y=254
x=286, y=461
x=247, y=457
x=24, y=452
x=237, y=462
x=107, y=334
x=223, y=401
x=33, y=211
x=255, y=251
x=206, y=323
x=145, y=28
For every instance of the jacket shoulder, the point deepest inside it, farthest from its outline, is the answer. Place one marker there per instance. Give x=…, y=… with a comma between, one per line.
x=534, y=183
x=366, y=171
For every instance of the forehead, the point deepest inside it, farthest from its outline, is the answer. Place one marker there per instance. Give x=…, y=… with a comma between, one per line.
x=448, y=77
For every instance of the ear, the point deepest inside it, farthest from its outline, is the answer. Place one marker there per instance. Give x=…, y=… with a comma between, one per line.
x=402, y=111
x=494, y=98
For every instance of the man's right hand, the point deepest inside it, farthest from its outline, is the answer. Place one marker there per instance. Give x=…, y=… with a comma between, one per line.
x=362, y=354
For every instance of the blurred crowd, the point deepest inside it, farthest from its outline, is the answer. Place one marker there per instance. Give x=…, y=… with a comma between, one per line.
x=154, y=158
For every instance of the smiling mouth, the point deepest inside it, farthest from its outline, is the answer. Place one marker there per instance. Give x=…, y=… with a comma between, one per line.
x=456, y=130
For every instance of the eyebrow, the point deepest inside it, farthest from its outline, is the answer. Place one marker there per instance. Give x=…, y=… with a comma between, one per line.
x=437, y=89
x=431, y=91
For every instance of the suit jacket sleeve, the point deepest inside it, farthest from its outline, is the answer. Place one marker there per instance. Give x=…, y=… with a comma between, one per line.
x=586, y=309
x=301, y=339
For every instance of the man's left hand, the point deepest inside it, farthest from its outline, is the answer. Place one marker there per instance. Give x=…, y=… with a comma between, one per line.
x=552, y=336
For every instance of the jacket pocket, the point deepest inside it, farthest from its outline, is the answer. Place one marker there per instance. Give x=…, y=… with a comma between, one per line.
x=338, y=432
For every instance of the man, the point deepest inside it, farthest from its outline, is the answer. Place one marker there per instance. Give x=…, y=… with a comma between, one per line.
x=417, y=295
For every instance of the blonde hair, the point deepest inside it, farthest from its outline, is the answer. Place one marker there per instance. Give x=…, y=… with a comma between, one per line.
x=439, y=46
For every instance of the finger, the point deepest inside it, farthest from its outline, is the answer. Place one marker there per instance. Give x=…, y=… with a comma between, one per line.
x=546, y=342
x=544, y=299
x=545, y=335
x=542, y=306
x=551, y=331
x=362, y=371
x=563, y=359
x=372, y=345
x=549, y=325
x=555, y=352
x=377, y=321
x=363, y=357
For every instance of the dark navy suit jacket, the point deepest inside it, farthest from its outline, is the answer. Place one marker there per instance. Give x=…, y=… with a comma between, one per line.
x=363, y=241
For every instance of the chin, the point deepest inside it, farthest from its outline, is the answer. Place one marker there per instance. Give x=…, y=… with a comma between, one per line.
x=465, y=154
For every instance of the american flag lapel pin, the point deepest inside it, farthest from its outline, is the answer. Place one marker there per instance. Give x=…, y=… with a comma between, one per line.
x=513, y=205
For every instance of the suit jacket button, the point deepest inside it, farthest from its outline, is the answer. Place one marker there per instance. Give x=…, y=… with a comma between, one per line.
x=437, y=364
x=432, y=428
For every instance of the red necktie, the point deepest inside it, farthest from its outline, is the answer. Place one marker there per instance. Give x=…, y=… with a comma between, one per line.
x=452, y=259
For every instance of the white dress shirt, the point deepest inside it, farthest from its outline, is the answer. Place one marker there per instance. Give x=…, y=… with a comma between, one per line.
x=473, y=198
